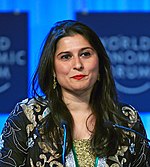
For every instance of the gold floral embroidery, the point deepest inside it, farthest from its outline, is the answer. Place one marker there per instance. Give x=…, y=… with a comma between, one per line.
x=122, y=150
x=28, y=110
x=45, y=149
x=35, y=104
x=29, y=128
x=31, y=163
x=131, y=113
x=40, y=117
x=56, y=163
x=51, y=162
x=115, y=165
x=114, y=158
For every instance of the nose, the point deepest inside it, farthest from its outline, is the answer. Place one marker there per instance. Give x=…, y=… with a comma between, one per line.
x=78, y=65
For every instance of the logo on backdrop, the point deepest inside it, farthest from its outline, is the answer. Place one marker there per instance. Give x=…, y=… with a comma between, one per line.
x=126, y=37
x=13, y=59
x=8, y=59
x=130, y=58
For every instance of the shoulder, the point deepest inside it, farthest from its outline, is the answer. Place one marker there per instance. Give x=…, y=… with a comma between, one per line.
x=129, y=112
x=132, y=118
x=129, y=115
x=29, y=111
x=15, y=139
x=136, y=134
x=34, y=108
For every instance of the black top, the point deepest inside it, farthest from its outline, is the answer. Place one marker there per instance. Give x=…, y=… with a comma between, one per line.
x=20, y=144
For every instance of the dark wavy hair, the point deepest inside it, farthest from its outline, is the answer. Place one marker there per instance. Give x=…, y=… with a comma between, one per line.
x=103, y=100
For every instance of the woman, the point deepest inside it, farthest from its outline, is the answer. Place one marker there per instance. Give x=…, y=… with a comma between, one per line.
x=72, y=122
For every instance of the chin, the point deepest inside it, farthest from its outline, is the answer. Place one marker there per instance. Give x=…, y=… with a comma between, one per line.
x=82, y=90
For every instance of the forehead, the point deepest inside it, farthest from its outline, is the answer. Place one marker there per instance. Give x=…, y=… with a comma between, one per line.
x=73, y=41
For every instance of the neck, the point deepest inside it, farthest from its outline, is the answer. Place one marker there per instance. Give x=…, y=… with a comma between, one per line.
x=80, y=111
x=77, y=103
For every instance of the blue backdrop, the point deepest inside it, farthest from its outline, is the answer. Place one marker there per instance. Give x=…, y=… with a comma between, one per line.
x=13, y=59
x=126, y=37
x=43, y=13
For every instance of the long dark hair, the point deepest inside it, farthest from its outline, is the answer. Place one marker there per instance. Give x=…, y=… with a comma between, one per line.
x=103, y=100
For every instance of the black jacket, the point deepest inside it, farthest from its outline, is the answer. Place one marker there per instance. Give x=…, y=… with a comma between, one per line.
x=19, y=144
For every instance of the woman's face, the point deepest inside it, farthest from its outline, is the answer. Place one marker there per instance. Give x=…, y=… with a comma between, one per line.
x=76, y=64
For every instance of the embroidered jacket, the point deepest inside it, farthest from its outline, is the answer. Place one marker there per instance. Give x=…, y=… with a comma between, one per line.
x=19, y=144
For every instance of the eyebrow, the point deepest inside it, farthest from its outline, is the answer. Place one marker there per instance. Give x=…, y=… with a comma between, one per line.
x=79, y=50
x=87, y=48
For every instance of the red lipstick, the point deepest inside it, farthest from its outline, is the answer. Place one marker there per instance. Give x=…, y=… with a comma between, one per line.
x=78, y=77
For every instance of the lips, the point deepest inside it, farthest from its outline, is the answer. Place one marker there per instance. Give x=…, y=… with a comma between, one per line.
x=78, y=77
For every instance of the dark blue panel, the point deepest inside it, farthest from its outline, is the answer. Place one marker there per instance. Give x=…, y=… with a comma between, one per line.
x=126, y=37
x=13, y=59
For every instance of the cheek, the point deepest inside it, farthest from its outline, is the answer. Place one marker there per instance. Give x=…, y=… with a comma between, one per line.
x=94, y=67
x=61, y=69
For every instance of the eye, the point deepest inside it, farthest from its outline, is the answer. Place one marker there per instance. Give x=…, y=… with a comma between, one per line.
x=65, y=57
x=86, y=54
